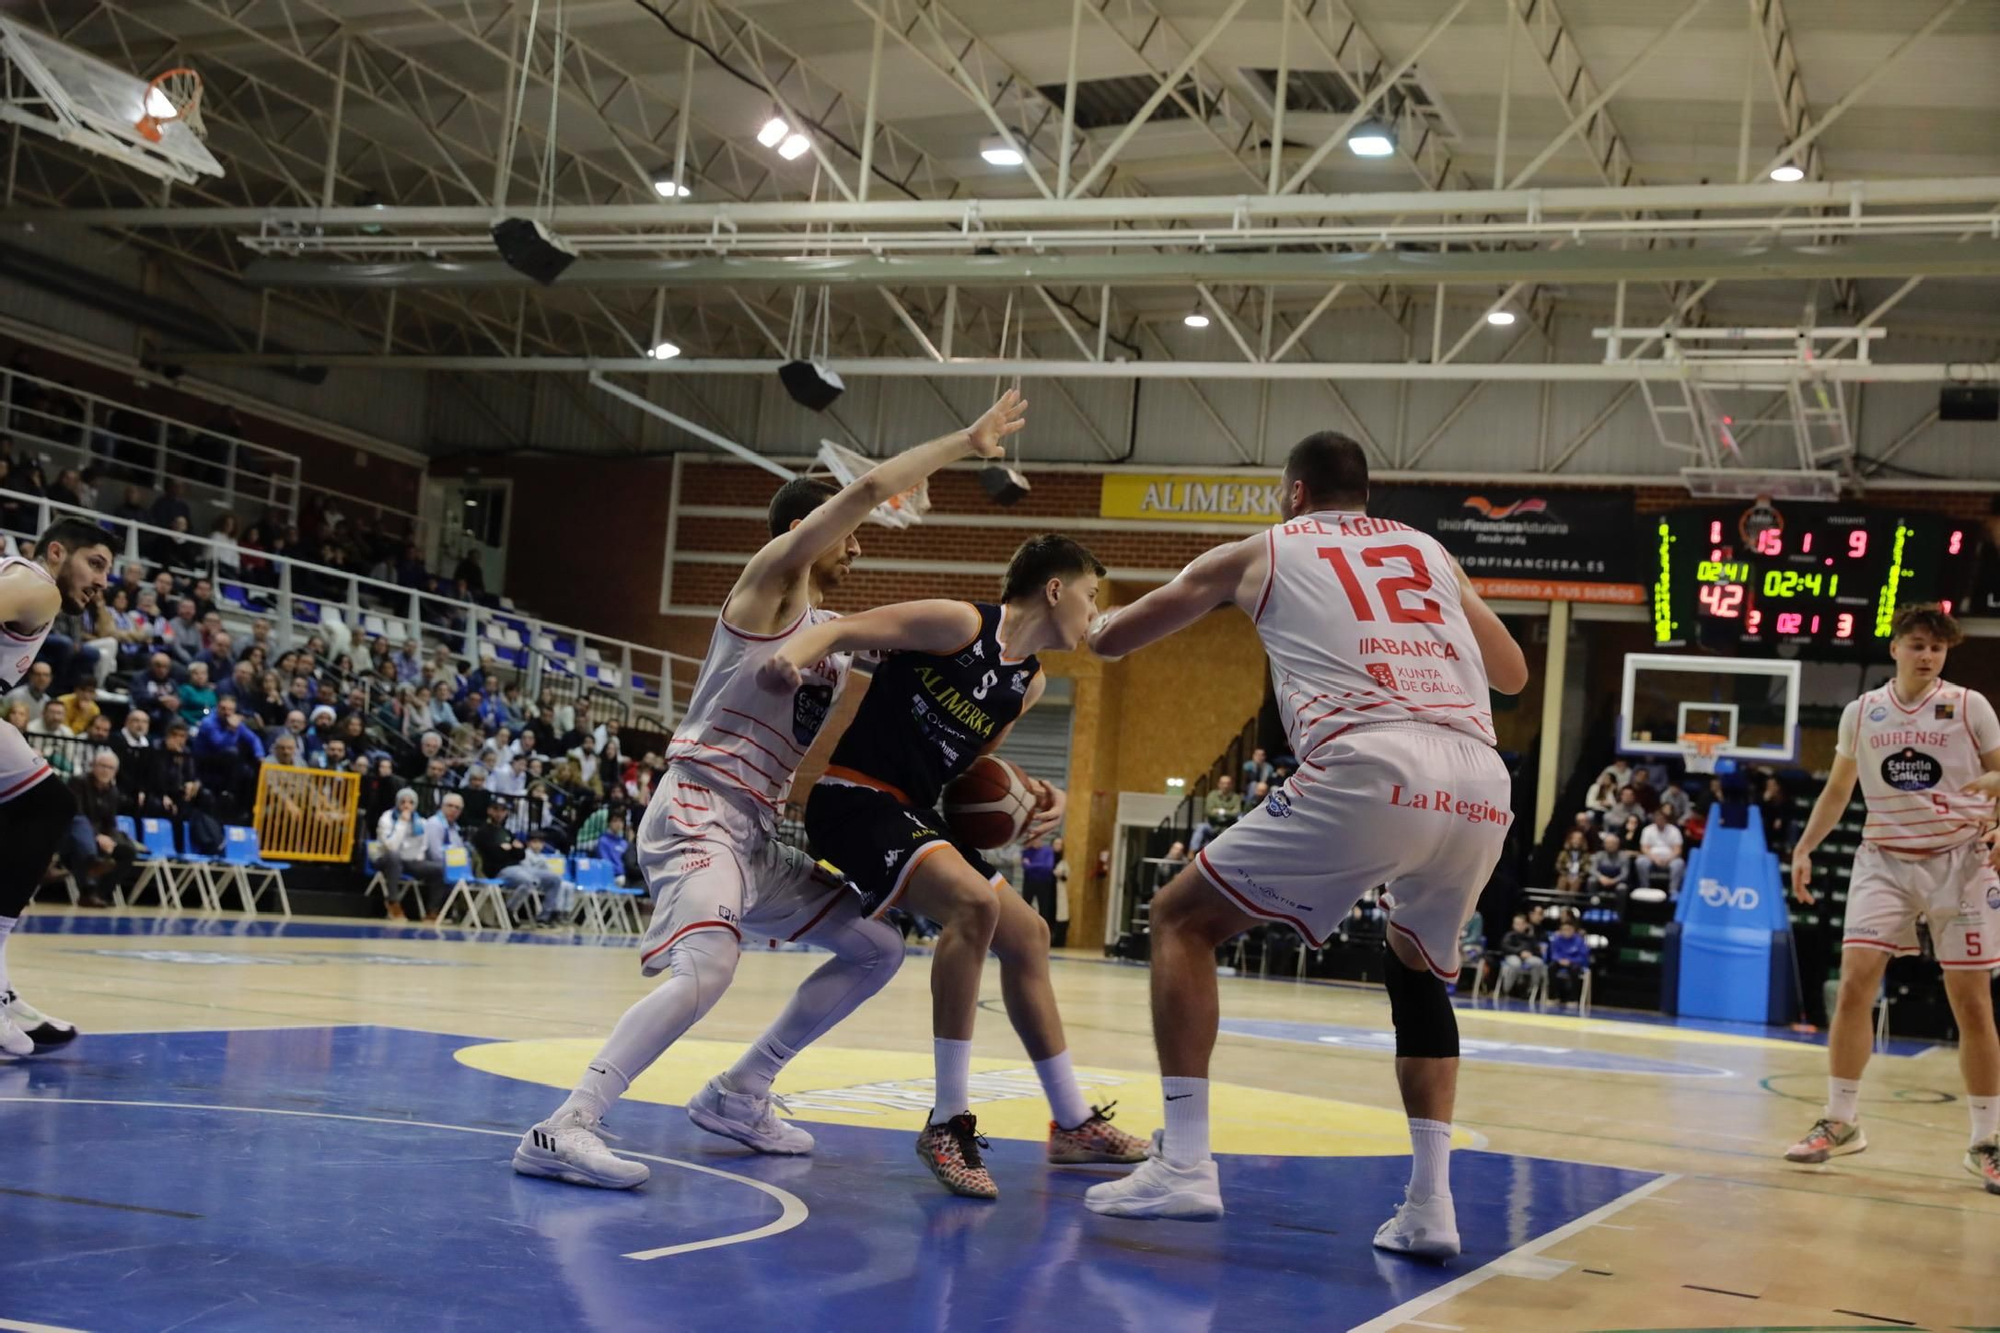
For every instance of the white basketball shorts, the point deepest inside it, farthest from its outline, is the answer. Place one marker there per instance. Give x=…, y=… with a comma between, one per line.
x=1957, y=890
x=711, y=864
x=1412, y=806
x=20, y=767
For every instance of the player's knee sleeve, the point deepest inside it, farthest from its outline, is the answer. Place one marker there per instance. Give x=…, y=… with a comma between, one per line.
x=32, y=826
x=873, y=945
x=707, y=959
x=1426, y=1025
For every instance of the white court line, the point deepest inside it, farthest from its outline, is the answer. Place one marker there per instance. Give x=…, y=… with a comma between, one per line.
x=794, y=1208
x=247, y=1027
x=25, y=1327
x=1422, y=1323
x=1403, y=1314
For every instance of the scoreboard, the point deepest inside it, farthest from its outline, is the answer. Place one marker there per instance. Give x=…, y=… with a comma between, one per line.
x=1744, y=578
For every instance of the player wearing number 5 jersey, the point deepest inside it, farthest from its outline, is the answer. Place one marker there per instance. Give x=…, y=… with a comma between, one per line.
x=1382, y=657
x=1922, y=750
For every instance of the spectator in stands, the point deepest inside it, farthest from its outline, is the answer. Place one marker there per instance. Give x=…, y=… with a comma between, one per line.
x=198, y=697
x=257, y=568
x=97, y=853
x=409, y=660
x=559, y=718
x=133, y=739
x=1626, y=807
x=1603, y=795
x=614, y=846
x=1660, y=853
x=1675, y=802
x=500, y=855
x=1775, y=805
x=66, y=487
x=1256, y=769
x=434, y=712
x=218, y=656
x=1647, y=794
x=97, y=633
x=284, y=751
x=135, y=508
x=1569, y=960
x=202, y=593
x=1472, y=940
x=181, y=635
x=1619, y=770
x=535, y=810
x=131, y=631
x=35, y=690
x=510, y=709
x=441, y=830
x=241, y=685
x=529, y=746
x=227, y=754
x=332, y=757
x=17, y=714
x=404, y=841
x=352, y=729
x=172, y=547
x=436, y=775
x=1609, y=870
x=471, y=573
x=16, y=515
x=1222, y=809
x=170, y=505
x=223, y=546
x=1572, y=863
x=50, y=725
x=410, y=571
x=98, y=733
x=1258, y=795
x=150, y=690
x=1520, y=956
x=1629, y=834
x=80, y=707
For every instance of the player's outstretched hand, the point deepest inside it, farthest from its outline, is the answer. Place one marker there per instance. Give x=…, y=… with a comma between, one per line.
x=1050, y=803
x=989, y=433
x=777, y=675
x=1802, y=877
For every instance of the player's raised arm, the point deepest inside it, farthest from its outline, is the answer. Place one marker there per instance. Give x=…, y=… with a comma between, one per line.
x=1826, y=813
x=790, y=552
x=1506, y=664
x=1231, y=573
x=935, y=626
x=27, y=599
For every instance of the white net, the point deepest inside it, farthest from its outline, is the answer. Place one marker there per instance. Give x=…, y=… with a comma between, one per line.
x=899, y=511
x=1699, y=751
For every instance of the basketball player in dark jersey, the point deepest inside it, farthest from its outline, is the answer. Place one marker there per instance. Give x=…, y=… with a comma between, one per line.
x=954, y=678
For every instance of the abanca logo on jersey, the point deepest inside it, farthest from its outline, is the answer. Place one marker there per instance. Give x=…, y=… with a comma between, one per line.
x=1912, y=770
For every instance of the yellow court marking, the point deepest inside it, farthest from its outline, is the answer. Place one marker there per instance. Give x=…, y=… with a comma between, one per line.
x=1611, y=1027
x=892, y=1090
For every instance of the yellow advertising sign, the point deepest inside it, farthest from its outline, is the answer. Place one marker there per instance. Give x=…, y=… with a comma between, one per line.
x=1191, y=498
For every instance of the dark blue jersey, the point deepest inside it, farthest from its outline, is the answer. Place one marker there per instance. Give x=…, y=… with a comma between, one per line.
x=927, y=716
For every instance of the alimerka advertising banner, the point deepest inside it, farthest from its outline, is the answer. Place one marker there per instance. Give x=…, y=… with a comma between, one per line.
x=1518, y=543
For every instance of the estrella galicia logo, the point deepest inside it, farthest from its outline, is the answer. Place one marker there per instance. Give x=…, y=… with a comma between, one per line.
x=810, y=705
x=1877, y=713
x=1279, y=805
x=1993, y=896
x=1912, y=770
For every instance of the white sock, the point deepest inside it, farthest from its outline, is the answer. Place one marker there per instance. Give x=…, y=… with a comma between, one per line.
x=1985, y=1118
x=1430, y=1160
x=702, y=964
x=1186, y=1141
x=954, y=1078
x=602, y=1084
x=1066, y=1102
x=1843, y=1100
x=6, y=929
x=755, y=1069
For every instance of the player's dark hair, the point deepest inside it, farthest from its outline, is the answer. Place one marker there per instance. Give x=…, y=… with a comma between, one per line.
x=797, y=498
x=74, y=534
x=1333, y=468
x=1043, y=558
x=1929, y=617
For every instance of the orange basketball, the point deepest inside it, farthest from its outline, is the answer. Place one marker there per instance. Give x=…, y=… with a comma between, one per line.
x=989, y=804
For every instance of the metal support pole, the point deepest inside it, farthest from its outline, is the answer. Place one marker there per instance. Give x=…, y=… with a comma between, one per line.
x=1554, y=669
x=1506, y=97
x=1068, y=145
x=1284, y=74
x=685, y=114
x=1750, y=63
x=1166, y=86
x=868, y=115
x=333, y=129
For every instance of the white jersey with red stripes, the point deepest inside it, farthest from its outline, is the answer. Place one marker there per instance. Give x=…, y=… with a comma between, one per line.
x=18, y=651
x=741, y=738
x=1913, y=761
x=1362, y=620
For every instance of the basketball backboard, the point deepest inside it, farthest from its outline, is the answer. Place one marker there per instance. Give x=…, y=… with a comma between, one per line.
x=1753, y=704
x=73, y=96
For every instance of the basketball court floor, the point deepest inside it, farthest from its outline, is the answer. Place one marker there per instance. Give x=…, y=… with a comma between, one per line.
x=308, y=1124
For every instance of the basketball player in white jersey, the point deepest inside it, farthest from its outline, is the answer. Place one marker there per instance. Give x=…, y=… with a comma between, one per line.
x=1920, y=747
x=1382, y=656
x=708, y=842
x=68, y=574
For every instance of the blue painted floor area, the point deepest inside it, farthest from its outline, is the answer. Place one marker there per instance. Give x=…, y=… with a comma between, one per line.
x=362, y=1180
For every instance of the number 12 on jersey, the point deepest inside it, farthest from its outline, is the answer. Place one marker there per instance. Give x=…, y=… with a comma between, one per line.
x=1425, y=610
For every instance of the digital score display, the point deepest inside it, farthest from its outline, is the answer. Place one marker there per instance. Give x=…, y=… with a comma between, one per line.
x=1742, y=578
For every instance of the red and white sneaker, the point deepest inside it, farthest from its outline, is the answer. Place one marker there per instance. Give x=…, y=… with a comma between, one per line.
x=1983, y=1160
x=1095, y=1140
x=1827, y=1138
x=951, y=1151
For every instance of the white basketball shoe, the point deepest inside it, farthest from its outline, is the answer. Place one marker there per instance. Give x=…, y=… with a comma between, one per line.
x=747, y=1118
x=567, y=1147
x=1161, y=1189
x=25, y=1030
x=1428, y=1230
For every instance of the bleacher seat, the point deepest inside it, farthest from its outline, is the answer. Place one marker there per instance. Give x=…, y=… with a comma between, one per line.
x=173, y=870
x=480, y=896
x=243, y=863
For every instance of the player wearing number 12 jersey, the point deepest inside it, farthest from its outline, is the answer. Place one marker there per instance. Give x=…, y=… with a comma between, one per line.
x=1381, y=656
x=1927, y=755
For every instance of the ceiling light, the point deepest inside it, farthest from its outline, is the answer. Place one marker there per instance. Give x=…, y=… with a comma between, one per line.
x=794, y=147
x=774, y=130
x=1194, y=319
x=1502, y=317
x=665, y=186
x=1370, y=138
x=664, y=352
x=1002, y=152
x=1787, y=173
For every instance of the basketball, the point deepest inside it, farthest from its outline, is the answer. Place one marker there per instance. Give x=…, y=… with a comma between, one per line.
x=990, y=803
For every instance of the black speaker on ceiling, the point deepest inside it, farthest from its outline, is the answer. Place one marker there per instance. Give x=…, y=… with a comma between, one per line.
x=1969, y=402
x=1003, y=485
x=810, y=384
x=530, y=248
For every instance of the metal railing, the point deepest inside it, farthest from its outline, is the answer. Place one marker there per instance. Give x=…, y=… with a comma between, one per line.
x=306, y=597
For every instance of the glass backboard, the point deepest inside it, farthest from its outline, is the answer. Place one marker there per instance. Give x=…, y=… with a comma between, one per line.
x=1752, y=703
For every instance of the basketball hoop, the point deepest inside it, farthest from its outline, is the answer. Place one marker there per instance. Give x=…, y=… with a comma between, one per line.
x=898, y=511
x=1699, y=747
x=172, y=96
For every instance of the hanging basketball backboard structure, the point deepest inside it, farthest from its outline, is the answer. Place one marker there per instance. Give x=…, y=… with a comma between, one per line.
x=1707, y=418
x=898, y=511
x=1709, y=708
x=152, y=126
